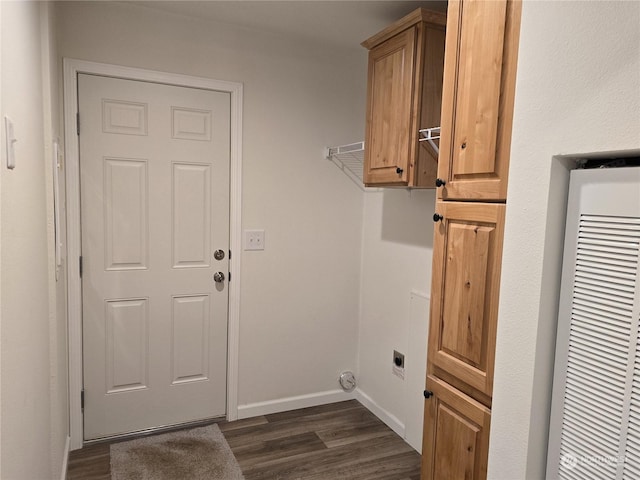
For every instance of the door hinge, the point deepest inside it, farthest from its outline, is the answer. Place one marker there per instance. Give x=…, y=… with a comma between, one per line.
x=78, y=123
x=229, y=254
x=80, y=265
x=229, y=277
x=82, y=399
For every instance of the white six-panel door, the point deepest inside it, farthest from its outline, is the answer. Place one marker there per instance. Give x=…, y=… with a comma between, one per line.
x=154, y=163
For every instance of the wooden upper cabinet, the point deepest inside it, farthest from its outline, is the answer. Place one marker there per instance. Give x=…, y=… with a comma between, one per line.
x=478, y=95
x=467, y=255
x=456, y=435
x=404, y=94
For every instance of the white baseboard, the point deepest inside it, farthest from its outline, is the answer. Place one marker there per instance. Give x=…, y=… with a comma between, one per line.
x=391, y=420
x=65, y=459
x=292, y=403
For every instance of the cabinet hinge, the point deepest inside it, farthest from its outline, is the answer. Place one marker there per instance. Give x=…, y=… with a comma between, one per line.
x=78, y=123
x=82, y=399
x=80, y=265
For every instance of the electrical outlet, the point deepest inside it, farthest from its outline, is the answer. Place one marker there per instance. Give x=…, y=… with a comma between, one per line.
x=254, y=239
x=398, y=364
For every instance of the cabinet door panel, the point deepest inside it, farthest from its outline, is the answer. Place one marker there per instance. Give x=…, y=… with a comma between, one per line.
x=464, y=290
x=466, y=276
x=477, y=112
x=476, y=122
x=456, y=435
x=391, y=77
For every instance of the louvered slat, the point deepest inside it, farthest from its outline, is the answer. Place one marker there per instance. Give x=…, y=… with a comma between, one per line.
x=612, y=238
x=584, y=334
x=606, y=317
x=593, y=380
x=595, y=273
x=588, y=219
x=577, y=390
x=620, y=267
x=597, y=258
x=586, y=292
x=615, y=334
x=595, y=353
x=593, y=303
x=601, y=251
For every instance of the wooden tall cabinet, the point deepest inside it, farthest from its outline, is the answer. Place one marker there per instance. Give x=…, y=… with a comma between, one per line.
x=404, y=95
x=477, y=111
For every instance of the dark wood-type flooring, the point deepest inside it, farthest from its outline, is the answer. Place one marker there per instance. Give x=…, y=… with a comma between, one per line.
x=338, y=441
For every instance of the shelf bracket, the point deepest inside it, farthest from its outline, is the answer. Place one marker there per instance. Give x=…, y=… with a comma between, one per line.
x=429, y=135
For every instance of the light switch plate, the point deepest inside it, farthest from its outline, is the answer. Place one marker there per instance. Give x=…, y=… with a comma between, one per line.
x=254, y=239
x=11, y=140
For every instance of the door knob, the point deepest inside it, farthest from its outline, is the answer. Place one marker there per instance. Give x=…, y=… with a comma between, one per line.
x=218, y=254
x=437, y=217
x=218, y=277
x=440, y=182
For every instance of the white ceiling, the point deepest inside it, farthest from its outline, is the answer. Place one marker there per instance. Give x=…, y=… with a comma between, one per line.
x=342, y=24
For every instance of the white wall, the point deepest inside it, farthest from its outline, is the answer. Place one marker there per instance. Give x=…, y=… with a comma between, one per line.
x=397, y=248
x=58, y=353
x=578, y=90
x=299, y=297
x=33, y=381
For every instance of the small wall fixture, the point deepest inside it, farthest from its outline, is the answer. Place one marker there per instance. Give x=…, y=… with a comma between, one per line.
x=429, y=135
x=347, y=381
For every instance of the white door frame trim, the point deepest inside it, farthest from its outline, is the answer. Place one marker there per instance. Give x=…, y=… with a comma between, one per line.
x=71, y=69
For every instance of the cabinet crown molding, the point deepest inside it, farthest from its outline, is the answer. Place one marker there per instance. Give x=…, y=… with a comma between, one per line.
x=413, y=18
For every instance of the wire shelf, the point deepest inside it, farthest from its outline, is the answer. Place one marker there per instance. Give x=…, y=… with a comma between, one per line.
x=350, y=159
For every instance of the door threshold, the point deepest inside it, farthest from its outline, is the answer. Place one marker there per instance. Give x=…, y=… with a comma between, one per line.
x=153, y=431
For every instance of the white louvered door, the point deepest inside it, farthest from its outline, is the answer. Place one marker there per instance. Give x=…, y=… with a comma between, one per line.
x=595, y=418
